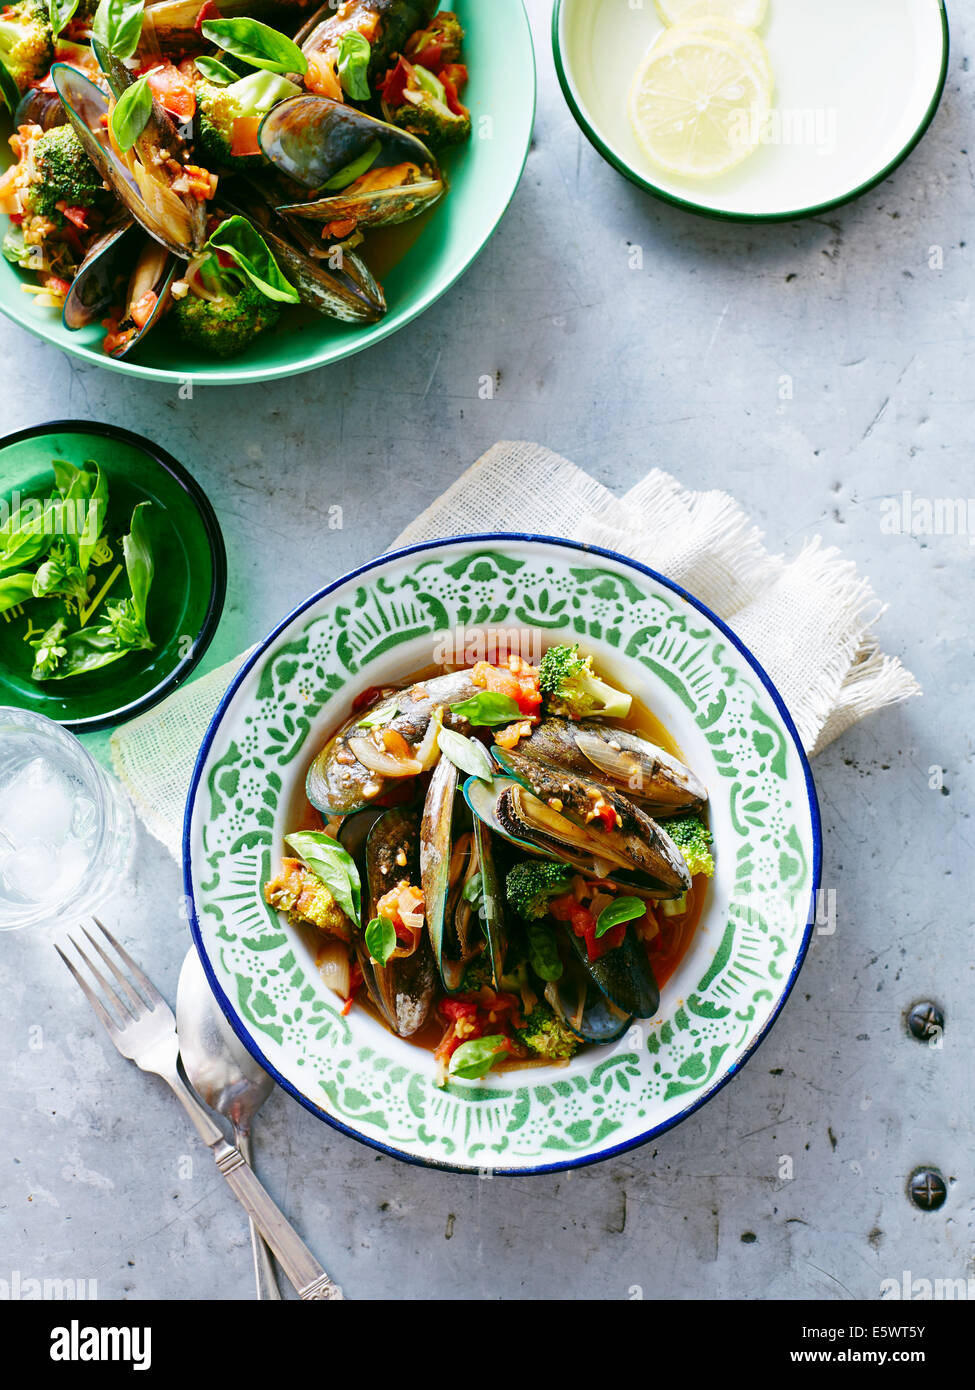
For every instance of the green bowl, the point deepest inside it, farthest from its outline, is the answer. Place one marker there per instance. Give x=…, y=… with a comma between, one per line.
x=483, y=178
x=188, y=588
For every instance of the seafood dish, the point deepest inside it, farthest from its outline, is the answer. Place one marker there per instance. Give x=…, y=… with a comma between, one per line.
x=215, y=165
x=502, y=862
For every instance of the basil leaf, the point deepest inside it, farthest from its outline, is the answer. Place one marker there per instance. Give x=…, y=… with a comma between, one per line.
x=475, y=1059
x=355, y=55
x=15, y=589
x=60, y=13
x=138, y=559
x=95, y=516
x=216, y=72
x=65, y=475
x=543, y=950
x=619, y=910
x=381, y=939
x=9, y=90
x=131, y=113
x=48, y=651
x=356, y=169
x=75, y=653
x=466, y=753
x=117, y=26
x=257, y=44
x=23, y=541
x=376, y=720
x=250, y=253
x=328, y=861
x=487, y=708
x=60, y=575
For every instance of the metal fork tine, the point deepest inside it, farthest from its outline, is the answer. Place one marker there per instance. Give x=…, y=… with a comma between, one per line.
x=110, y=994
x=138, y=1005
x=143, y=981
x=110, y=1025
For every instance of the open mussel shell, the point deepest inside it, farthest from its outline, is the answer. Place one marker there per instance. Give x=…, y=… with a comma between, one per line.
x=347, y=291
x=338, y=783
x=644, y=773
x=403, y=990
x=99, y=283
x=455, y=848
x=154, y=271
x=555, y=807
x=320, y=145
x=584, y=1009
x=151, y=202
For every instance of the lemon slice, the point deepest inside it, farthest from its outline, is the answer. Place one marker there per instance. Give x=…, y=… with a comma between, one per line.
x=748, y=13
x=697, y=106
x=745, y=39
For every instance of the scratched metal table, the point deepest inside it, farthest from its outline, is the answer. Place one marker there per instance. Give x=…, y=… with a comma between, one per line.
x=678, y=364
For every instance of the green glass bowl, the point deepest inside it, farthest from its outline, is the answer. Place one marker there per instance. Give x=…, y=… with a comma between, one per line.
x=483, y=177
x=188, y=588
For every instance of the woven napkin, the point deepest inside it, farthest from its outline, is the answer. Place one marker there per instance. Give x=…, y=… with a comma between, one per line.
x=809, y=620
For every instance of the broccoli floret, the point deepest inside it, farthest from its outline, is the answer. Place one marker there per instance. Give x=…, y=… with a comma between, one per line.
x=546, y=1035
x=218, y=109
x=532, y=884
x=417, y=101
x=227, y=324
x=65, y=174
x=693, y=839
x=574, y=691
x=26, y=42
x=478, y=974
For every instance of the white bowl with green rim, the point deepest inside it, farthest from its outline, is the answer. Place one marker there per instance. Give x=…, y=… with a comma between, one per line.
x=379, y=625
x=857, y=86
x=482, y=176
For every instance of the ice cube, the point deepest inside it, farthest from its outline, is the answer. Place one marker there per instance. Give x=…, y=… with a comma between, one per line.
x=39, y=872
x=37, y=804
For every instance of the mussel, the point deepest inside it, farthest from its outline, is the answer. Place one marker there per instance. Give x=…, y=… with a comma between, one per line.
x=147, y=179
x=386, y=24
x=128, y=272
x=584, y=1008
x=644, y=773
x=98, y=284
x=40, y=107
x=403, y=989
x=462, y=895
x=584, y=822
x=359, y=172
x=347, y=290
x=393, y=738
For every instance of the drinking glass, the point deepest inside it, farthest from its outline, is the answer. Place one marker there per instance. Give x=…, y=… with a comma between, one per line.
x=66, y=828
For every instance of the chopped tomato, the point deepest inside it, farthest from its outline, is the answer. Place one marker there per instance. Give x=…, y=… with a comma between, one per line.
x=207, y=11
x=396, y=745
x=55, y=285
x=173, y=90
x=76, y=215
x=395, y=83
x=456, y=1008
x=141, y=311
x=520, y=685
x=454, y=80
x=606, y=814
x=244, y=140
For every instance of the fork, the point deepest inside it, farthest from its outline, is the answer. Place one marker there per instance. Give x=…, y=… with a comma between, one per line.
x=143, y=1029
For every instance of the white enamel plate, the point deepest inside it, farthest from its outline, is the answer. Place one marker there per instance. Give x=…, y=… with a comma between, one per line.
x=858, y=83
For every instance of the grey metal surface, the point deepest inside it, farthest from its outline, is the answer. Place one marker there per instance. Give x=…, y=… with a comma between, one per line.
x=678, y=364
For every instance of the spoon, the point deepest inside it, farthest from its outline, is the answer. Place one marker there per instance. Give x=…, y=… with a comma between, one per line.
x=225, y=1075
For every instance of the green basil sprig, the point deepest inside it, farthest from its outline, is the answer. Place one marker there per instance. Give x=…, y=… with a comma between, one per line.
x=379, y=718
x=381, y=939
x=619, y=910
x=214, y=71
x=251, y=254
x=257, y=44
x=60, y=13
x=117, y=26
x=131, y=113
x=355, y=55
x=487, y=709
x=466, y=753
x=15, y=589
x=334, y=866
x=127, y=619
x=475, y=1059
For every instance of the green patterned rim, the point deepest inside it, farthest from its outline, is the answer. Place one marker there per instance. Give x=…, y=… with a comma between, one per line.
x=386, y=621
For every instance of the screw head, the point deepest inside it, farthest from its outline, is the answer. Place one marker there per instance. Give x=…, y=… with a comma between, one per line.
x=927, y=1189
x=925, y=1021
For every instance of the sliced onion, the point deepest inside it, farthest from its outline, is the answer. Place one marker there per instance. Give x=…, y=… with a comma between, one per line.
x=428, y=751
x=333, y=966
x=378, y=760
